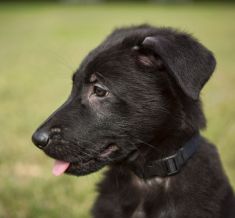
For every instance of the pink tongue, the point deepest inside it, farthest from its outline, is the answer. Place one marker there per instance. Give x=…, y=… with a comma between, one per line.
x=59, y=167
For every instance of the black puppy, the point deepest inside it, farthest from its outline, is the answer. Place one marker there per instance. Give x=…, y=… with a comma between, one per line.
x=135, y=106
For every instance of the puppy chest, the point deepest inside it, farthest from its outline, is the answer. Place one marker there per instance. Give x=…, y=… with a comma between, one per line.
x=139, y=212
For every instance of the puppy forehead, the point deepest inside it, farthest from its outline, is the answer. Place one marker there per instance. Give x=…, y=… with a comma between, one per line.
x=114, y=61
x=117, y=69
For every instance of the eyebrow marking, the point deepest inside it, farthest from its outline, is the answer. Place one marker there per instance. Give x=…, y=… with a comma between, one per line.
x=93, y=78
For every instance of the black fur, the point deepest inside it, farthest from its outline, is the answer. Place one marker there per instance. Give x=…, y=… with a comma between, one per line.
x=149, y=80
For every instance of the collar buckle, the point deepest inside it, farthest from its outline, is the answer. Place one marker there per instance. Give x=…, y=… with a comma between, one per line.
x=174, y=163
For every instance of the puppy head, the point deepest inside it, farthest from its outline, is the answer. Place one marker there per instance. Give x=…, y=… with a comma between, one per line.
x=126, y=92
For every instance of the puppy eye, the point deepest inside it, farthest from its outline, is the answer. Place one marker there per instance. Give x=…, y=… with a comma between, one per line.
x=99, y=91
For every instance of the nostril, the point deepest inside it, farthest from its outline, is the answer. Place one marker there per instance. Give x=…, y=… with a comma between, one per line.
x=40, y=139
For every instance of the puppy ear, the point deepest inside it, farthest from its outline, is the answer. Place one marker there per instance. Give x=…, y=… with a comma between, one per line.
x=189, y=62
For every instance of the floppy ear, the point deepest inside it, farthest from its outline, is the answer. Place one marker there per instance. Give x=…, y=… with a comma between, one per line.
x=188, y=61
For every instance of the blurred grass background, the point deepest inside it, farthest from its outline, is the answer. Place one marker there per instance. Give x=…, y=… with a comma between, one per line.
x=41, y=45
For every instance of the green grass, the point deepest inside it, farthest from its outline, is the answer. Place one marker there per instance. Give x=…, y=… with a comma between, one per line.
x=41, y=45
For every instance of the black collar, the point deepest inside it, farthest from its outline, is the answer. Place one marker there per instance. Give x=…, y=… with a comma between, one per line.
x=169, y=165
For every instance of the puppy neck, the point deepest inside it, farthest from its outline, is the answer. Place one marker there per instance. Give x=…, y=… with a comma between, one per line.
x=163, y=161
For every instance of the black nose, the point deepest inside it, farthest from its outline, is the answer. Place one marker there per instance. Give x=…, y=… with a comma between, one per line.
x=40, y=139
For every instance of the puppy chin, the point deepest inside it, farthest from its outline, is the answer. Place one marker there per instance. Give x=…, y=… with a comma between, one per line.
x=81, y=169
x=88, y=168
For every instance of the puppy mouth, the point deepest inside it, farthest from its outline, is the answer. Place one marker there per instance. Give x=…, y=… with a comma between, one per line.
x=61, y=166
